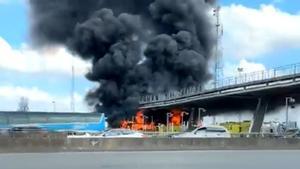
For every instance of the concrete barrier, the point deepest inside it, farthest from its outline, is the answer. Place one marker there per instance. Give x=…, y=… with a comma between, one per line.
x=59, y=143
x=34, y=142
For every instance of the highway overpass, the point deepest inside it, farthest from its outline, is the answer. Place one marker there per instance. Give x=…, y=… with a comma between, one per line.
x=262, y=86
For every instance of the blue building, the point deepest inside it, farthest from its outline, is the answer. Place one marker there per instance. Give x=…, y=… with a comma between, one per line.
x=56, y=122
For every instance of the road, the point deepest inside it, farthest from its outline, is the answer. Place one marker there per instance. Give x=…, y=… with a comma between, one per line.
x=153, y=160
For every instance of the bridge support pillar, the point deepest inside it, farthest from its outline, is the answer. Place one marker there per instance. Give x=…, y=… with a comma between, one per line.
x=259, y=115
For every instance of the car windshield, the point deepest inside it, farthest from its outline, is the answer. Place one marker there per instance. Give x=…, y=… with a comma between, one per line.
x=215, y=129
x=127, y=132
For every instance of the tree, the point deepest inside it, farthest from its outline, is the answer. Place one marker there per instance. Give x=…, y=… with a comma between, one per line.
x=23, y=104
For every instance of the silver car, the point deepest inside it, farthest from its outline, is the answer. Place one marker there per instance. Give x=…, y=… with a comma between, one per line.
x=113, y=133
x=206, y=132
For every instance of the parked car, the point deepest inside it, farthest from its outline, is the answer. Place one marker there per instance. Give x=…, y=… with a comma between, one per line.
x=291, y=133
x=84, y=135
x=27, y=129
x=298, y=134
x=206, y=132
x=113, y=133
x=122, y=133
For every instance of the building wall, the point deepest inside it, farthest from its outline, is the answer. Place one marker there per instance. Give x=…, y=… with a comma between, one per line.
x=53, y=121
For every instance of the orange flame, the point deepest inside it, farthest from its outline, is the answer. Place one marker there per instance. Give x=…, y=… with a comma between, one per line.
x=138, y=123
x=176, y=117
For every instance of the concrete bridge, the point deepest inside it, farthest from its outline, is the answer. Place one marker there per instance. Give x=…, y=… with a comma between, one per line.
x=262, y=87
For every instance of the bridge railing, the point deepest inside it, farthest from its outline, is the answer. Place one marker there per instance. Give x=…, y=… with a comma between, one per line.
x=259, y=76
x=243, y=78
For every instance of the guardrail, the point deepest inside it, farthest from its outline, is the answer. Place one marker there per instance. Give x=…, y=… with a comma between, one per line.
x=243, y=78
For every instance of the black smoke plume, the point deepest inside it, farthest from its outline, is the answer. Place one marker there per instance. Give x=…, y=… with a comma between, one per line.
x=136, y=47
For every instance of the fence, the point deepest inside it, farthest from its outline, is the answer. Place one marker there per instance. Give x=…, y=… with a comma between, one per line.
x=242, y=78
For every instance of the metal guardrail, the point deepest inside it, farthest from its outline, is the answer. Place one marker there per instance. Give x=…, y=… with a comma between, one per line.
x=243, y=78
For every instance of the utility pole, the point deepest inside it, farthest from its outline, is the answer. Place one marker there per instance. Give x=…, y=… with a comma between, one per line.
x=72, y=89
x=218, y=51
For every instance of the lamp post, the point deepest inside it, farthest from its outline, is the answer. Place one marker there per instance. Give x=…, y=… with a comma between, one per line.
x=144, y=117
x=288, y=100
x=199, y=115
x=168, y=116
x=182, y=119
x=240, y=71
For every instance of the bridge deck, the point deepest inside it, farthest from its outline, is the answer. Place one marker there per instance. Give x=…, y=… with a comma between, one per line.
x=283, y=77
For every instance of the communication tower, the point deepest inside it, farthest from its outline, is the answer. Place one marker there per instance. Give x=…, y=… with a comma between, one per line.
x=218, y=54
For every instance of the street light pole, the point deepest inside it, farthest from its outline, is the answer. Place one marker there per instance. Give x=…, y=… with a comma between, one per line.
x=182, y=119
x=286, y=111
x=144, y=117
x=199, y=114
x=168, y=116
x=287, y=101
x=240, y=70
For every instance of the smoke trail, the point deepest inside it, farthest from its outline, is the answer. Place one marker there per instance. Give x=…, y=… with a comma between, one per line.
x=136, y=47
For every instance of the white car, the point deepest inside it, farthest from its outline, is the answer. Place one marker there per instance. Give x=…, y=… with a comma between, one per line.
x=85, y=135
x=122, y=133
x=206, y=132
x=113, y=133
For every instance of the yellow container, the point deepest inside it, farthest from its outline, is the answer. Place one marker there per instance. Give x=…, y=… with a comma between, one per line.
x=237, y=127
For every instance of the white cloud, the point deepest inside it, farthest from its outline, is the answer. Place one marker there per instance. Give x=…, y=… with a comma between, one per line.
x=39, y=100
x=252, y=32
x=247, y=66
x=27, y=60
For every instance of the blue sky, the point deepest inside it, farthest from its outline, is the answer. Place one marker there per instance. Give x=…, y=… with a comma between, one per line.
x=47, y=83
x=285, y=5
x=14, y=22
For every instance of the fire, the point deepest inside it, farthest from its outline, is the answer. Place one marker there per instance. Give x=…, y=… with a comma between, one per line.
x=138, y=123
x=176, y=117
x=143, y=123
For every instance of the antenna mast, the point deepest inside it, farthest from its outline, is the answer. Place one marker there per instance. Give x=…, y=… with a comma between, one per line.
x=218, y=51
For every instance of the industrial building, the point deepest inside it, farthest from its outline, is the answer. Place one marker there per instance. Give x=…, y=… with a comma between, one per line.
x=54, y=122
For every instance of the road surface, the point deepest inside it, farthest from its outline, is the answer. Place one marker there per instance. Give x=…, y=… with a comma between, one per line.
x=154, y=160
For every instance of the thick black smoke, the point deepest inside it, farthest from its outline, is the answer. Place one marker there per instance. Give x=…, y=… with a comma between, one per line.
x=136, y=47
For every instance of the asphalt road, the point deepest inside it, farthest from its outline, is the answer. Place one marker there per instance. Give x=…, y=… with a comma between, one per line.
x=154, y=160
